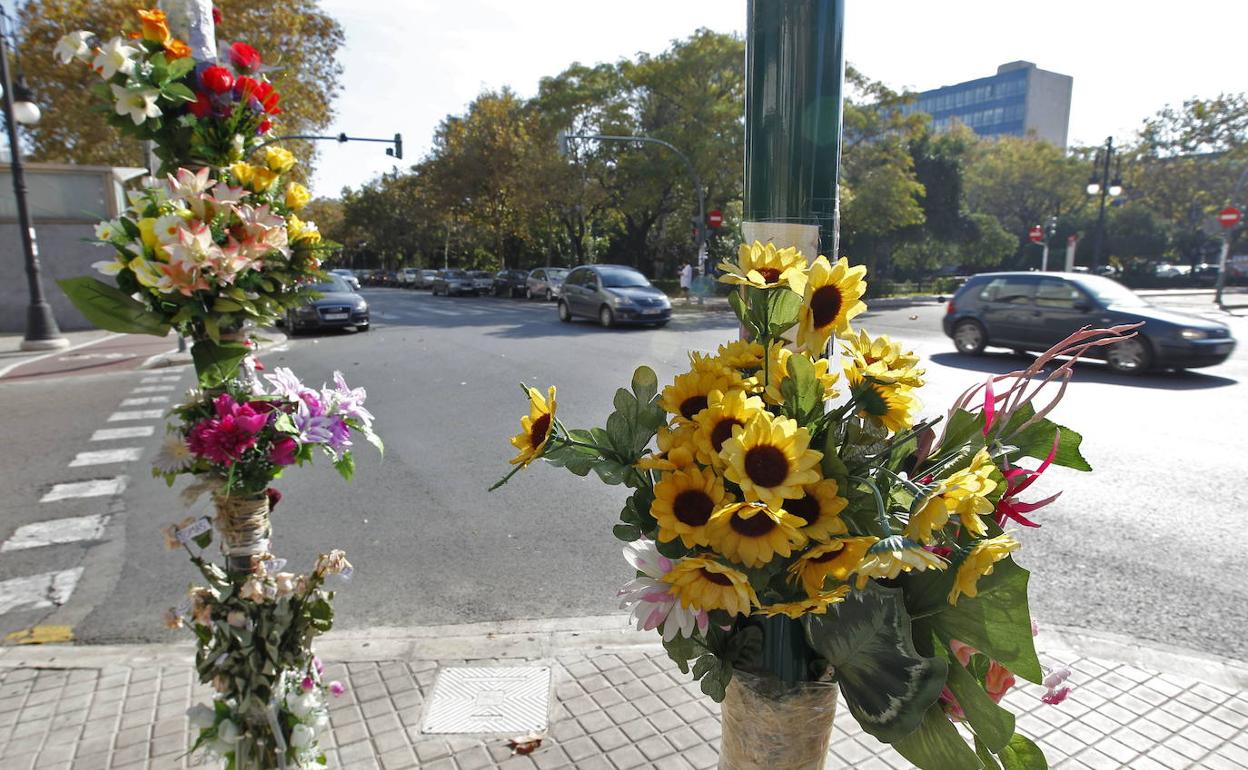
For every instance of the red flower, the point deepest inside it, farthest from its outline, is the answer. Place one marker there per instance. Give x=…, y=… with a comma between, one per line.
x=244, y=57
x=267, y=97
x=274, y=496
x=201, y=107
x=216, y=15
x=245, y=88
x=217, y=79
x=283, y=451
x=1016, y=481
x=224, y=439
x=264, y=127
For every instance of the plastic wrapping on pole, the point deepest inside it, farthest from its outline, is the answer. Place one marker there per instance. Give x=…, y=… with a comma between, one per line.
x=795, y=71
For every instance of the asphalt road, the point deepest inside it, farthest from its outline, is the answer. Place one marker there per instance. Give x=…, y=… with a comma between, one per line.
x=1146, y=545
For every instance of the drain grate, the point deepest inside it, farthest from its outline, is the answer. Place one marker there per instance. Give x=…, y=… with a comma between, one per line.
x=489, y=700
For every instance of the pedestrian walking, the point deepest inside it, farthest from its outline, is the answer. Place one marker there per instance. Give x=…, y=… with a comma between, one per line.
x=686, y=279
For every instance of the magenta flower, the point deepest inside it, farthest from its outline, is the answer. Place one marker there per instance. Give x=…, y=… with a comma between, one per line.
x=283, y=451
x=1056, y=689
x=318, y=665
x=307, y=683
x=336, y=688
x=226, y=437
x=1016, y=481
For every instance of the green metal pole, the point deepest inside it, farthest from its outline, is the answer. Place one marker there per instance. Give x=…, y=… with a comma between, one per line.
x=795, y=74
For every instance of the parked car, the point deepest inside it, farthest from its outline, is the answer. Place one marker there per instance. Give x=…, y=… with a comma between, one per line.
x=510, y=283
x=425, y=279
x=336, y=307
x=347, y=276
x=409, y=277
x=482, y=281
x=1034, y=311
x=448, y=282
x=613, y=294
x=545, y=282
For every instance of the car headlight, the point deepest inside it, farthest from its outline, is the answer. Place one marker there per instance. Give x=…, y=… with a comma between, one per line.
x=620, y=301
x=361, y=305
x=305, y=310
x=1193, y=334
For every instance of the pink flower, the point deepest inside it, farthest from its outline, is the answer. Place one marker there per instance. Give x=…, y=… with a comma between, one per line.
x=336, y=688
x=1016, y=481
x=307, y=683
x=650, y=599
x=224, y=439
x=318, y=665
x=1053, y=683
x=997, y=682
x=283, y=451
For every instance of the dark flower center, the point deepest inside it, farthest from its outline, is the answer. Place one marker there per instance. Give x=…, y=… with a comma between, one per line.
x=766, y=466
x=723, y=431
x=806, y=508
x=827, y=557
x=693, y=507
x=769, y=274
x=756, y=526
x=539, y=429
x=691, y=406
x=825, y=304
x=716, y=578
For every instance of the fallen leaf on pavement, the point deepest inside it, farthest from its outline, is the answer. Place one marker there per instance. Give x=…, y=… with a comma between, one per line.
x=525, y=744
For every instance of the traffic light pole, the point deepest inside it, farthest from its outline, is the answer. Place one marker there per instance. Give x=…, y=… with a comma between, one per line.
x=1226, y=241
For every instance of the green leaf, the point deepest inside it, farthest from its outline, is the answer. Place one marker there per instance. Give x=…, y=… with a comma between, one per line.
x=178, y=92
x=645, y=384
x=833, y=466
x=626, y=532
x=346, y=465
x=180, y=67
x=1021, y=754
x=782, y=309
x=110, y=308
x=991, y=723
x=215, y=363
x=997, y=622
x=887, y=685
x=680, y=649
x=936, y=745
x=580, y=460
x=1037, y=441
x=737, y=303
x=223, y=305
x=986, y=756
x=803, y=396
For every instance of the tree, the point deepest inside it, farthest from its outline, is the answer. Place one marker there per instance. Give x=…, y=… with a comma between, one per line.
x=295, y=36
x=1024, y=181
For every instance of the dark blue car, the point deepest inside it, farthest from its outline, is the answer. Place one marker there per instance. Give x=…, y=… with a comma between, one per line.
x=1034, y=311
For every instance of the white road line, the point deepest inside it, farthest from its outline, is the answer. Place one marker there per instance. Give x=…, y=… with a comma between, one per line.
x=106, y=456
x=55, y=531
x=4, y=370
x=154, y=389
x=35, y=592
x=150, y=379
x=140, y=414
x=108, y=434
x=92, y=488
x=144, y=400
x=170, y=379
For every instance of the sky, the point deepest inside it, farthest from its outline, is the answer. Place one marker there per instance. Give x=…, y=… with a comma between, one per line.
x=410, y=63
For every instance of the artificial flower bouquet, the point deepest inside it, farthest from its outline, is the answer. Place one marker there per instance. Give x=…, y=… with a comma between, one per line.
x=794, y=519
x=210, y=113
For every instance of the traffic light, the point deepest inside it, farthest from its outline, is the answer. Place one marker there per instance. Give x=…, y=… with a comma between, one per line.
x=1050, y=227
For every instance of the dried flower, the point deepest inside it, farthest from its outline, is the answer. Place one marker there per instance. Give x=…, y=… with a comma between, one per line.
x=333, y=563
x=173, y=621
x=252, y=590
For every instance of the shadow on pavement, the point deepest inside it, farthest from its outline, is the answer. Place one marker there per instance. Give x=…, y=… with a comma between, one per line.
x=1086, y=371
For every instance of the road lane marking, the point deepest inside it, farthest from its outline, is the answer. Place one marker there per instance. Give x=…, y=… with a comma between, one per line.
x=154, y=389
x=144, y=400
x=109, y=434
x=106, y=456
x=92, y=488
x=139, y=414
x=69, y=530
x=36, y=592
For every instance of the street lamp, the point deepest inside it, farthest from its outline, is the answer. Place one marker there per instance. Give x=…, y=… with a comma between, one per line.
x=42, y=333
x=1100, y=184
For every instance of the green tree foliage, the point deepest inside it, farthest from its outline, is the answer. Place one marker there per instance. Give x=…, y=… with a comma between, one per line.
x=1024, y=181
x=294, y=36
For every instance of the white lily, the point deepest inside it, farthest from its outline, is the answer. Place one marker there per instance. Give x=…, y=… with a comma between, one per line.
x=108, y=230
x=113, y=57
x=73, y=46
x=138, y=104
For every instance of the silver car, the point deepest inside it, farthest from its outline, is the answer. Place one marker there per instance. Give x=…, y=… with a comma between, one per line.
x=545, y=283
x=348, y=276
x=482, y=282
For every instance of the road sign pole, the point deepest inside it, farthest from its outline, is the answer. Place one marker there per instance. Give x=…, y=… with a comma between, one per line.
x=1044, y=258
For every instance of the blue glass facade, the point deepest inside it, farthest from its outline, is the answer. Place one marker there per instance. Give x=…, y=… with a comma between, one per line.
x=992, y=106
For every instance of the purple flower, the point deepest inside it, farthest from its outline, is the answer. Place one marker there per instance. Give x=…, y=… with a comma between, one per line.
x=318, y=665
x=285, y=383
x=350, y=401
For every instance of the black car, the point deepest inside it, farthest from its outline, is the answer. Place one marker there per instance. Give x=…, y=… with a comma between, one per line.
x=510, y=283
x=1034, y=311
x=338, y=306
x=612, y=294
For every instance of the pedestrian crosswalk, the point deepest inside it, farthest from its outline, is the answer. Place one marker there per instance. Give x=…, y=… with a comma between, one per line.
x=96, y=478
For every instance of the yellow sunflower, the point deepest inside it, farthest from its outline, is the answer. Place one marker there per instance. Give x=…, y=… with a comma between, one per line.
x=535, y=429
x=706, y=584
x=676, y=450
x=881, y=360
x=812, y=605
x=765, y=267
x=820, y=507
x=683, y=504
x=741, y=354
x=965, y=494
x=770, y=459
x=833, y=296
x=714, y=425
x=836, y=559
x=688, y=393
x=893, y=406
x=979, y=562
x=777, y=371
x=752, y=534
x=889, y=558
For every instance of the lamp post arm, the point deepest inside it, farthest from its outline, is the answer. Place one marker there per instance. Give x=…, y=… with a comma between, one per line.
x=396, y=151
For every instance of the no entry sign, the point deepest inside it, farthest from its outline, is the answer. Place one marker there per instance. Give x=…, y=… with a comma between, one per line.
x=1036, y=234
x=714, y=218
x=1230, y=216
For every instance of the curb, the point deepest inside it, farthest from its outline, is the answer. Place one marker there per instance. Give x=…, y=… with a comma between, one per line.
x=544, y=639
x=176, y=358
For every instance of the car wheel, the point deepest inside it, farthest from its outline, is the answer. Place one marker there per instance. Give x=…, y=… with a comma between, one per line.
x=1131, y=356
x=550, y=296
x=969, y=338
x=606, y=317
x=565, y=314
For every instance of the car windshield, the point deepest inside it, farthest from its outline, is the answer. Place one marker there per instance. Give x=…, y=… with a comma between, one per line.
x=621, y=278
x=454, y=273
x=557, y=272
x=334, y=283
x=1110, y=292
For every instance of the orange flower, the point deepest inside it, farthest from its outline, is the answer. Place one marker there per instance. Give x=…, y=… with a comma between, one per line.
x=176, y=49
x=154, y=26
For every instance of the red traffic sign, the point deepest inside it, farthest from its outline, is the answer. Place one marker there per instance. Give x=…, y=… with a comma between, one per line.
x=1036, y=233
x=1230, y=216
x=714, y=218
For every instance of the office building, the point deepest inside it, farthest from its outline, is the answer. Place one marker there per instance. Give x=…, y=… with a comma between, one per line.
x=1020, y=100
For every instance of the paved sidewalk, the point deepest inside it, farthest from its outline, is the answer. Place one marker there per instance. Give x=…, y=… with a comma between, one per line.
x=616, y=702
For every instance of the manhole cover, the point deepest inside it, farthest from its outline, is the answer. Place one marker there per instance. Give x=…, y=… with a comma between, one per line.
x=489, y=700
